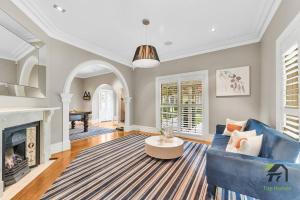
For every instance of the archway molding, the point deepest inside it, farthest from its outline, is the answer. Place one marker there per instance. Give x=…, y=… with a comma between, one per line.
x=66, y=96
x=26, y=70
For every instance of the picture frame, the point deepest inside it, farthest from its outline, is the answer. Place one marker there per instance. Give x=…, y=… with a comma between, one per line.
x=233, y=81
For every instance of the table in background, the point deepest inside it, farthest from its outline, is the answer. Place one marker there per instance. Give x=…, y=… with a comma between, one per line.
x=80, y=116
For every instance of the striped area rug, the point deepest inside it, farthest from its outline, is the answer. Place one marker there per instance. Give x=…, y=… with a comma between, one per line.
x=120, y=169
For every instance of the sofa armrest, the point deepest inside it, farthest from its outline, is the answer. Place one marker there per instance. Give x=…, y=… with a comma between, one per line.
x=248, y=175
x=220, y=129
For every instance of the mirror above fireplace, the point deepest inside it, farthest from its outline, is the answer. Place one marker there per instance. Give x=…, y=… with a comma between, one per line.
x=22, y=60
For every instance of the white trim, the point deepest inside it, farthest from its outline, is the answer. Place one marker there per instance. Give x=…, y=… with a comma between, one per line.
x=266, y=20
x=22, y=50
x=55, y=148
x=59, y=147
x=236, y=42
x=149, y=129
x=290, y=36
x=92, y=74
x=203, y=74
x=100, y=63
x=32, y=11
x=26, y=69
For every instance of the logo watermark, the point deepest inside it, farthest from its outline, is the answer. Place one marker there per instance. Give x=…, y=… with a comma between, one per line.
x=277, y=174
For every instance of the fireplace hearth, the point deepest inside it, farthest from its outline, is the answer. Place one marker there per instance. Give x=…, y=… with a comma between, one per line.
x=20, y=151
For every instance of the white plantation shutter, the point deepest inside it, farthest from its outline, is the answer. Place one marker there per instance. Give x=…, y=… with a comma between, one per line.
x=191, y=114
x=181, y=103
x=291, y=92
x=169, y=105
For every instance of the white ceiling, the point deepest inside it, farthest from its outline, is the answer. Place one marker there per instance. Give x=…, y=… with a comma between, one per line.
x=113, y=29
x=92, y=70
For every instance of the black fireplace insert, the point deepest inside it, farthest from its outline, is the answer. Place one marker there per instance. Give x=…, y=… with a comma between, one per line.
x=20, y=151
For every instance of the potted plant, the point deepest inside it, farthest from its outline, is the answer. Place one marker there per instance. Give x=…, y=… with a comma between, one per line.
x=162, y=134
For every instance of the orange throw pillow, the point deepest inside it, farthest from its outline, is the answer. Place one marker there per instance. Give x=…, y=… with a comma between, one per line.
x=233, y=127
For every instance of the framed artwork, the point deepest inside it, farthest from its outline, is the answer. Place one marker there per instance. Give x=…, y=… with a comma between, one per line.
x=233, y=81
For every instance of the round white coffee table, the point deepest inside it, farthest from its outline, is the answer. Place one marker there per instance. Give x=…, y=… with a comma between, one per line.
x=169, y=148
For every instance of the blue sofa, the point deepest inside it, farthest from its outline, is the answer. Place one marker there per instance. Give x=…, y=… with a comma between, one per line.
x=275, y=174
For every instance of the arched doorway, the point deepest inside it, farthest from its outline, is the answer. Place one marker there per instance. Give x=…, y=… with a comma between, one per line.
x=66, y=96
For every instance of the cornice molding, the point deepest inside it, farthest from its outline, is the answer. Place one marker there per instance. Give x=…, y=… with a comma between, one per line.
x=31, y=10
x=266, y=20
x=22, y=50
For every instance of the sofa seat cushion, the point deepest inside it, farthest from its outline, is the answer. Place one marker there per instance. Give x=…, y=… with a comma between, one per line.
x=278, y=146
x=220, y=142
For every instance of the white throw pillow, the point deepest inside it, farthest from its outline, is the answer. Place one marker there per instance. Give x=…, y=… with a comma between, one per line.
x=232, y=125
x=249, y=146
x=236, y=136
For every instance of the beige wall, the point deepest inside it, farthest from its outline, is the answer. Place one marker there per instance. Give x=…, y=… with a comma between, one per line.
x=92, y=83
x=77, y=92
x=284, y=15
x=240, y=108
x=8, y=71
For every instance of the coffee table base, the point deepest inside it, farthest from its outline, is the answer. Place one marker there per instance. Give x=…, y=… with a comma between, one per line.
x=162, y=152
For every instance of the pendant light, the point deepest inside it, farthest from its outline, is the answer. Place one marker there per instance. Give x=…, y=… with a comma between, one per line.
x=145, y=55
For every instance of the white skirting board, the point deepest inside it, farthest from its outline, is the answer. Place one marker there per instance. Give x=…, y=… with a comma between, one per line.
x=148, y=129
x=58, y=147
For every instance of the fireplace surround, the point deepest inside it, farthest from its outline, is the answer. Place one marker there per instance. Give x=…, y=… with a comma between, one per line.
x=16, y=117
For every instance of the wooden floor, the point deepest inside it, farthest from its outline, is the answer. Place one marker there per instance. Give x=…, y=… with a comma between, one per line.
x=40, y=185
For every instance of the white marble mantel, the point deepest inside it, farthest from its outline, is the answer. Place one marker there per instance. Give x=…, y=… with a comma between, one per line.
x=10, y=117
x=4, y=111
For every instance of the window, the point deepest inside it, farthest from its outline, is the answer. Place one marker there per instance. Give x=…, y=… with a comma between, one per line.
x=182, y=102
x=287, y=80
x=291, y=92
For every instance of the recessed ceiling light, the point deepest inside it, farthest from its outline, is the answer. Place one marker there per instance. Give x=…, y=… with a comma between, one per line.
x=168, y=43
x=213, y=29
x=60, y=9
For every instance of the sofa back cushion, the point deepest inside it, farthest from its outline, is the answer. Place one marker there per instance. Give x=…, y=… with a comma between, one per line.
x=253, y=124
x=275, y=144
x=278, y=146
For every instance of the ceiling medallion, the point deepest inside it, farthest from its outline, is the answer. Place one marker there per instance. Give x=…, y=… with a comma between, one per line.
x=145, y=55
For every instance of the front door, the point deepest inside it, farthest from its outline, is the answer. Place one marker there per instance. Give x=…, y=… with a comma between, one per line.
x=106, y=108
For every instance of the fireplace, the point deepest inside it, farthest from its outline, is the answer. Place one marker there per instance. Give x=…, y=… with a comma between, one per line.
x=20, y=151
